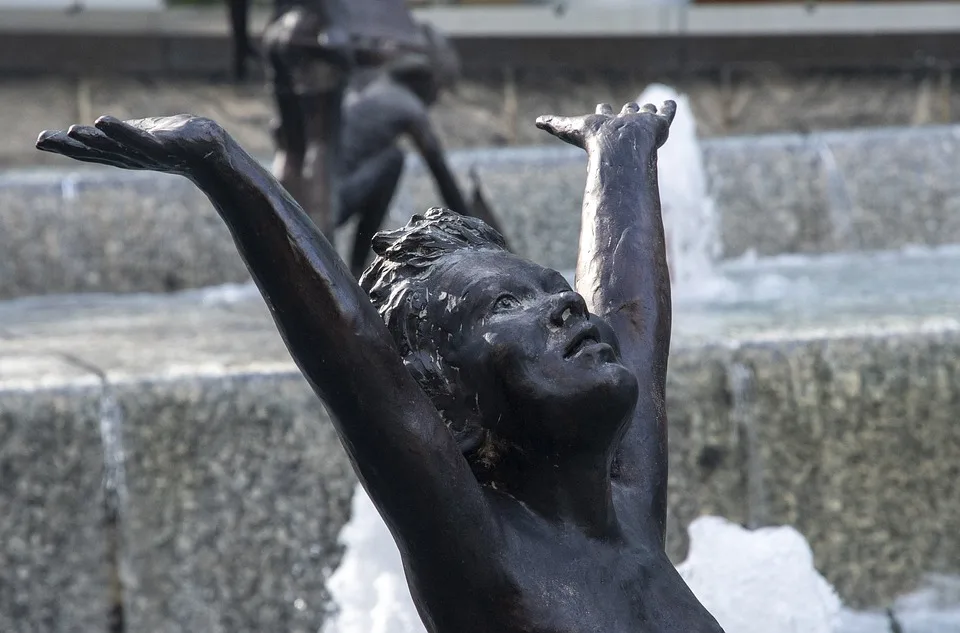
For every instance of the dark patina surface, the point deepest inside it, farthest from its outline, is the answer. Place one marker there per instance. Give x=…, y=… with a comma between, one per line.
x=350, y=80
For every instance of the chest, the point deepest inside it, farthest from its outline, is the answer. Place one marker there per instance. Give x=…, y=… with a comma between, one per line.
x=570, y=584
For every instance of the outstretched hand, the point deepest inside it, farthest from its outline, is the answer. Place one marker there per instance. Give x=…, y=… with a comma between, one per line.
x=174, y=144
x=633, y=122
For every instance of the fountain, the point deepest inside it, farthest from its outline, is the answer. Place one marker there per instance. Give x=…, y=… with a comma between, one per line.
x=689, y=215
x=793, y=371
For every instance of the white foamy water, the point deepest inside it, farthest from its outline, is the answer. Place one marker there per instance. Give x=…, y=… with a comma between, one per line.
x=758, y=581
x=370, y=588
x=762, y=580
x=689, y=216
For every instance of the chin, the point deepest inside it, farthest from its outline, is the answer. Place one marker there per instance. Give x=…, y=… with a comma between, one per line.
x=621, y=385
x=608, y=388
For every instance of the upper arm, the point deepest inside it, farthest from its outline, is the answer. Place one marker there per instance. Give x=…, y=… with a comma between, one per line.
x=640, y=464
x=403, y=453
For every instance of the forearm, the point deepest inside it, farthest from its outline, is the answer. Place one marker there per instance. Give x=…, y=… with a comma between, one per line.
x=324, y=317
x=622, y=265
x=389, y=427
x=447, y=184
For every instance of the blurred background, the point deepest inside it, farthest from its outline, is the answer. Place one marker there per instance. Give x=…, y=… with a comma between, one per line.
x=164, y=467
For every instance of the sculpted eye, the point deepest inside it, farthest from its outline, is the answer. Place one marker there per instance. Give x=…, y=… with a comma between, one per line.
x=505, y=302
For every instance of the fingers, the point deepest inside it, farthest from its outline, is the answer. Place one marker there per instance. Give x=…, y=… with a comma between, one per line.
x=668, y=110
x=130, y=137
x=605, y=109
x=94, y=139
x=649, y=108
x=47, y=140
x=569, y=129
x=58, y=142
x=630, y=108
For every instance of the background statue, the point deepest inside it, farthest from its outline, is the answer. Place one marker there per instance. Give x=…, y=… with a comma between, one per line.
x=311, y=60
x=381, y=106
x=511, y=432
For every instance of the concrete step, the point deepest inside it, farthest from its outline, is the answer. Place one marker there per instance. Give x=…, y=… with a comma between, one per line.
x=101, y=230
x=818, y=393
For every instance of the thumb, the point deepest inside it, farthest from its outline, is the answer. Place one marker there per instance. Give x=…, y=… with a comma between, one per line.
x=569, y=129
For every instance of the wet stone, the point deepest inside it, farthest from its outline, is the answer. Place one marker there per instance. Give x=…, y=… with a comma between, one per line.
x=771, y=195
x=900, y=187
x=707, y=463
x=95, y=231
x=857, y=446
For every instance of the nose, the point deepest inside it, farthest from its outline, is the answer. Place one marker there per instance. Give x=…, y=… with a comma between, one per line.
x=566, y=305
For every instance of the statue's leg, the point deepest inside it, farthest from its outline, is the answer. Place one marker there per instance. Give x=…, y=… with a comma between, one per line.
x=239, y=17
x=289, y=135
x=322, y=129
x=367, y=192
x=291, y=146
x=309, y=80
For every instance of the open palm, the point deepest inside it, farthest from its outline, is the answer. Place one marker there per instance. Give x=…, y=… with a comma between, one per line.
x=584, y=131
x=173, y=144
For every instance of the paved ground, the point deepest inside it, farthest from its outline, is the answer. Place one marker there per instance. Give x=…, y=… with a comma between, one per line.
x=498, y=110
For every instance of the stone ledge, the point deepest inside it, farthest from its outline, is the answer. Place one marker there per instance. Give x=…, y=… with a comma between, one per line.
x=94, y=230
x=227, y=449
x=54, y=548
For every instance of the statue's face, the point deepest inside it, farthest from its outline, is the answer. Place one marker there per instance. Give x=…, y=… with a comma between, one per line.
x=542, y=367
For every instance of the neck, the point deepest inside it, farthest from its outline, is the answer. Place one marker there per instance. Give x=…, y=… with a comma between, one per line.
x=565, y=488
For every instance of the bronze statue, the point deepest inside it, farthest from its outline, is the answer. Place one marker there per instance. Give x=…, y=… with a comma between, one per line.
x=407, y=66
x=382, y=105
x=311, y=47
x=512, y=432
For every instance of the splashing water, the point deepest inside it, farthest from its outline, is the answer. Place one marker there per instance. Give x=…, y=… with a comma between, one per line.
x=738, y=574
x=758, y=580
x=689, y=216
x=369, y=587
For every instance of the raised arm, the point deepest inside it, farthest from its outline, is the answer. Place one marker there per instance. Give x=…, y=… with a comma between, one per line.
x=429, y=146
x=406, y=458
x=622, y=273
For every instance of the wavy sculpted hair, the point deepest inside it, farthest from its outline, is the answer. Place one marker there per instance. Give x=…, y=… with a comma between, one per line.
x=399, y=285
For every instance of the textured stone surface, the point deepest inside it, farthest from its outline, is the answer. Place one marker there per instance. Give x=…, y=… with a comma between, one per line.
x=898, y=188
x=91, y=231
x=500, y=108
x=708, y=474
x=846, y=432
x=856, y=444
x=238, y=488
x=771, y=195
x=105, y=230
x=54, y=563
